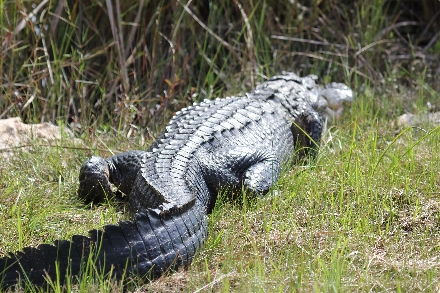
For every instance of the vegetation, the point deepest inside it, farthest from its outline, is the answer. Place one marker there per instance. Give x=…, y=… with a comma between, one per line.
x=364, y=216
x=121, y=63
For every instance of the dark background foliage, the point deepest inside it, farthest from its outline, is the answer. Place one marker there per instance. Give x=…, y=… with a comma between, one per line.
x=121, y=63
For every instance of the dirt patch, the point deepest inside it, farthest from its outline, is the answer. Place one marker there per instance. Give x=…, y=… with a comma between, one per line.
x=15, y=135
x=414, y=120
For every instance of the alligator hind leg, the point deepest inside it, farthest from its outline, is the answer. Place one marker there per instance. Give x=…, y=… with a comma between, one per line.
x=97, y=174
x=255, y=168
x=259, y=177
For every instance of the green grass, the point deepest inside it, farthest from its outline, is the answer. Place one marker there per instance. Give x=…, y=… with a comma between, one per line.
x=365, y=216
x=116, y=63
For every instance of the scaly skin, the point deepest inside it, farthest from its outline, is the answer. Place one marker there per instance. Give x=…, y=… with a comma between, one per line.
x=226, y=143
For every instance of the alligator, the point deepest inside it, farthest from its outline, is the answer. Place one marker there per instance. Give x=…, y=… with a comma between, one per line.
x=239, y=143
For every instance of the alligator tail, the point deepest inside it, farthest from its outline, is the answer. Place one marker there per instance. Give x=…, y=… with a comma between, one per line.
x=146, y=246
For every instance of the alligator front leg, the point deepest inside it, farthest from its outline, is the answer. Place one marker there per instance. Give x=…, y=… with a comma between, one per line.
x=97, y=174
x=307, y=130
